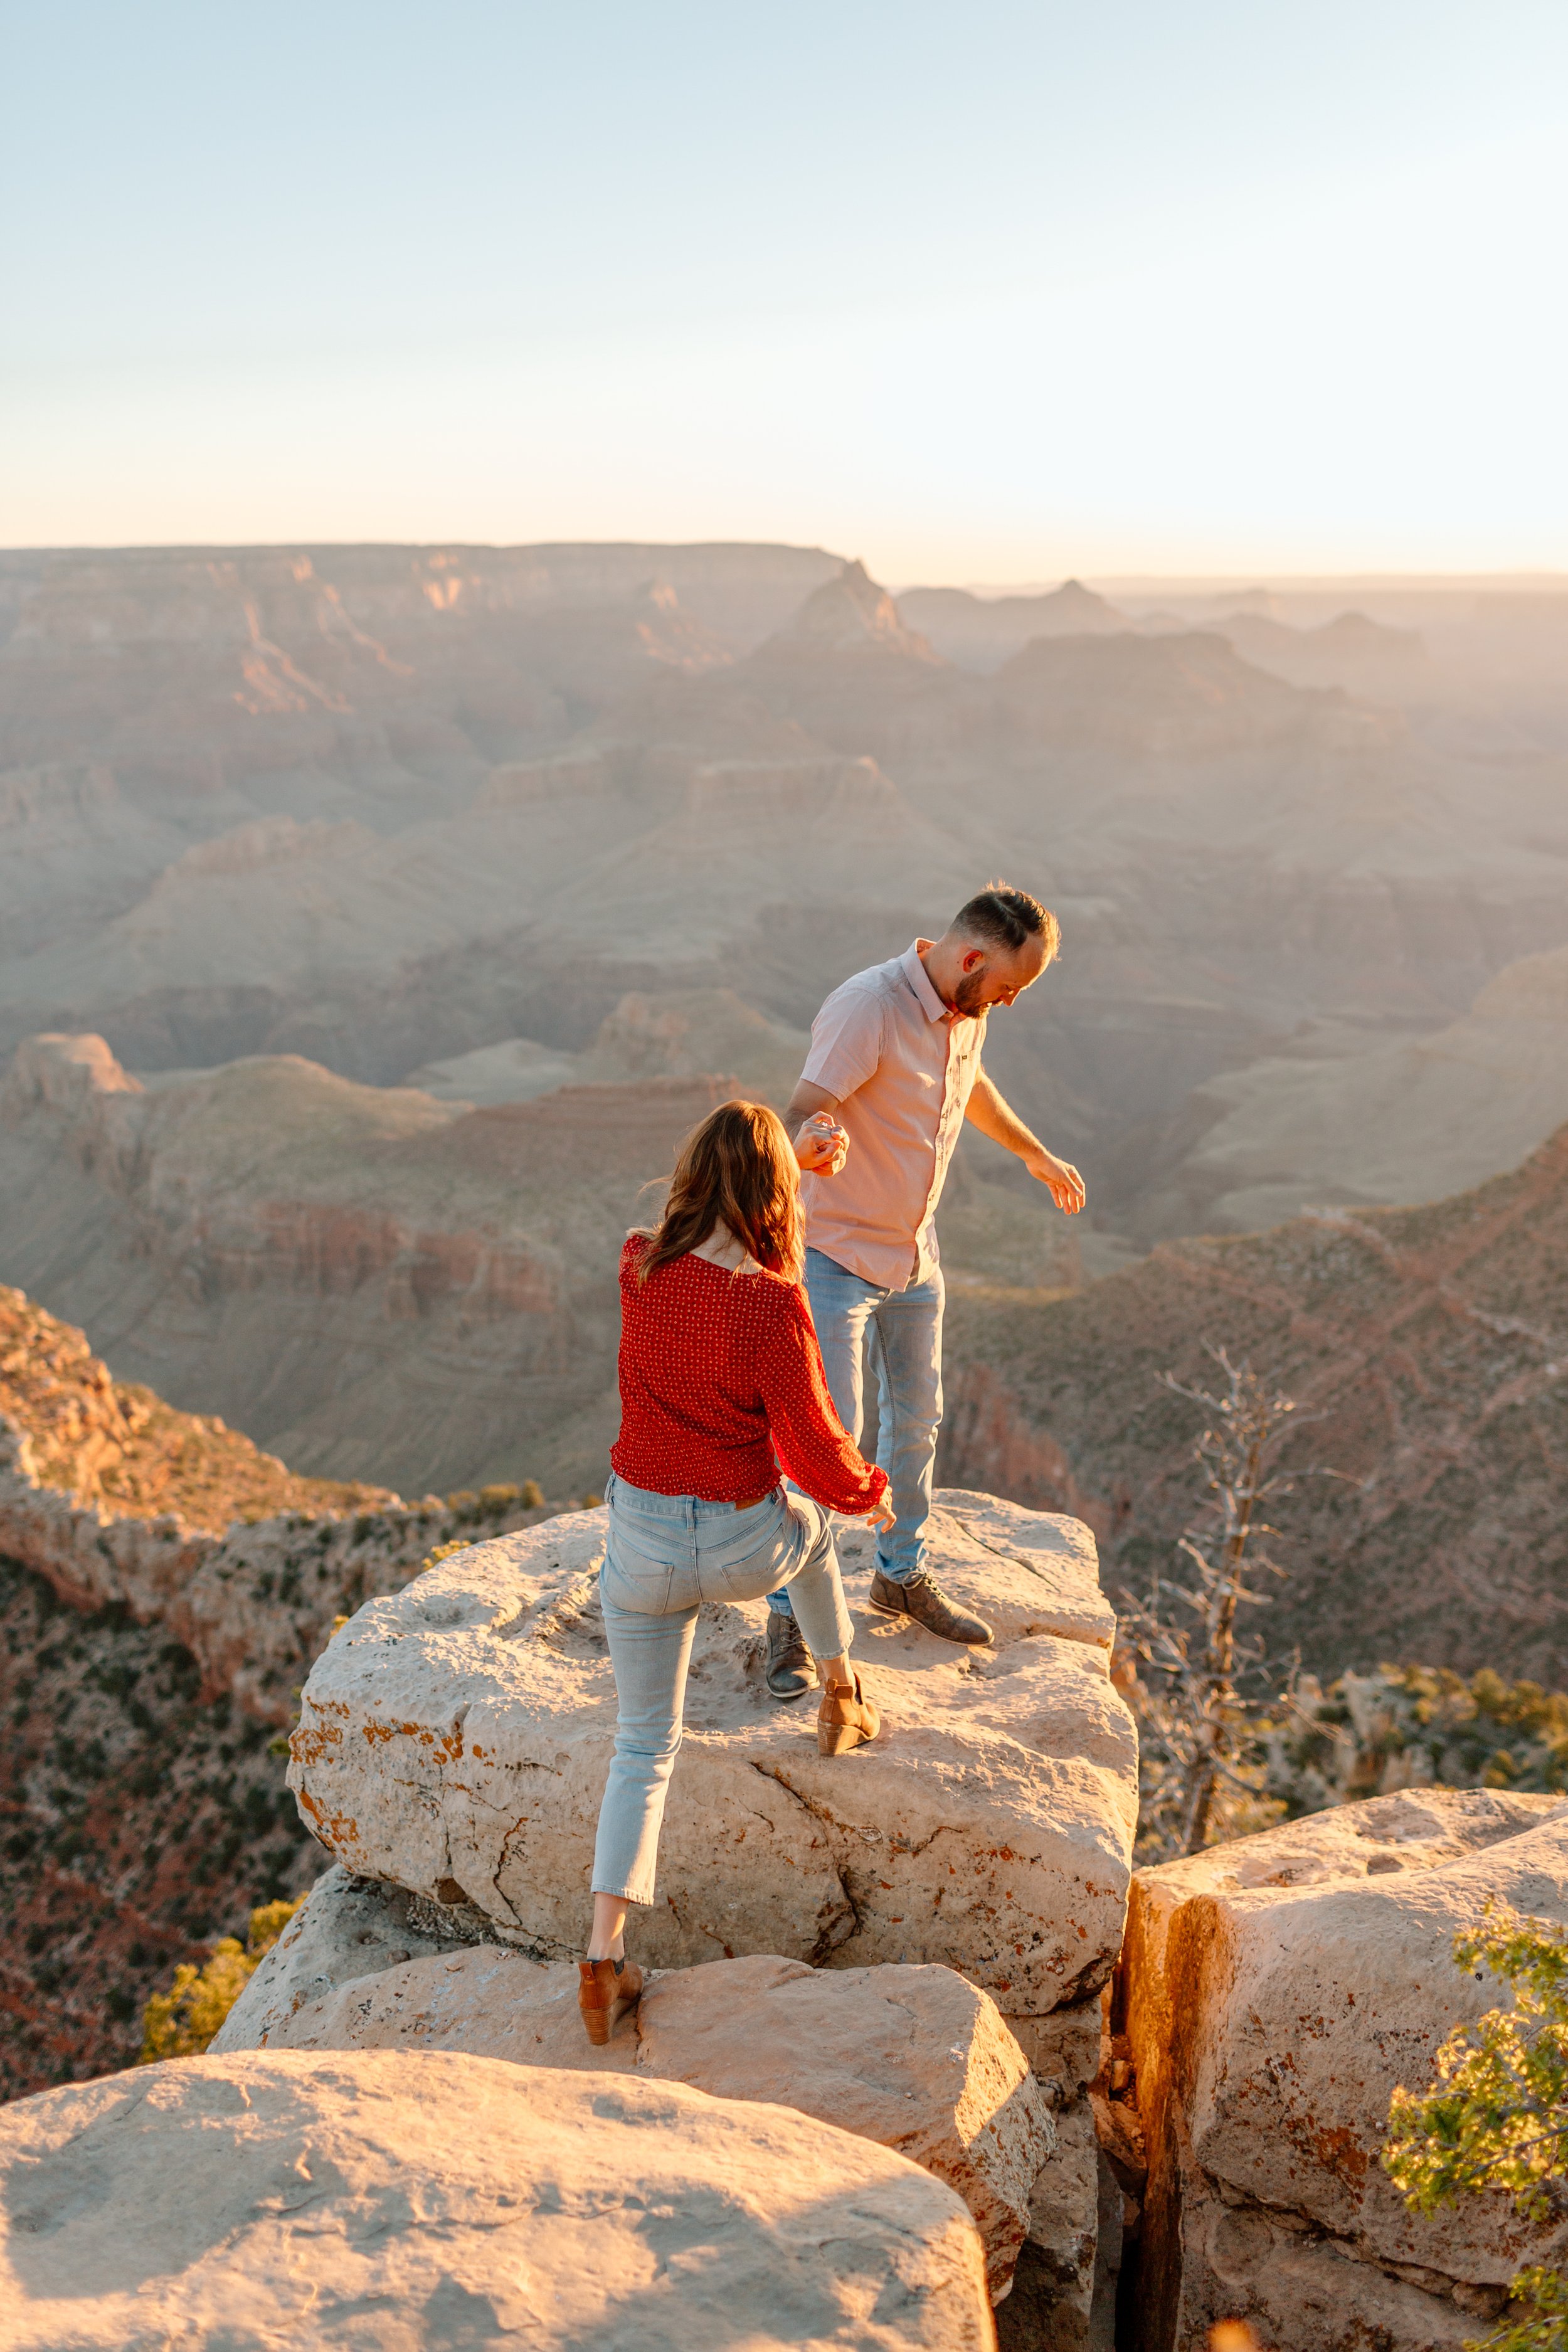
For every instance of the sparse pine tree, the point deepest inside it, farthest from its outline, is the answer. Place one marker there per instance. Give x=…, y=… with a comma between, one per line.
x=1196, y=1722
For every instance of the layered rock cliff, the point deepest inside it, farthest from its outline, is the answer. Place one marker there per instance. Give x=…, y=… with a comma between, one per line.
x=366, y=1278
x=1433, y=1345
x=163, y=1587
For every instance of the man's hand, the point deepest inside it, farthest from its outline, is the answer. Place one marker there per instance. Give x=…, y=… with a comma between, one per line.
x=822, y=1147
x=996, y=1118
x=1066, y=1186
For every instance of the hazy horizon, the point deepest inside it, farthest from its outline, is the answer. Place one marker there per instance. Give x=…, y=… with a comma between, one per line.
x=1109, y=584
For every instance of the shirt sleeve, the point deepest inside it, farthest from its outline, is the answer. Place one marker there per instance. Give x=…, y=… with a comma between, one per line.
x=810, y=1440
x=846, y=1042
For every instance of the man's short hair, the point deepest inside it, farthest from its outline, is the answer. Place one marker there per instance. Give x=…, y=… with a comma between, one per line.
x=1001, y=916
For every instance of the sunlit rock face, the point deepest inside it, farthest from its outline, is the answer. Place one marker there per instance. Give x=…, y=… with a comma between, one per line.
x=453, y=1740
x=464, y=2200
x=915, y=2059
x=1272, y=1993
x=453, y=1745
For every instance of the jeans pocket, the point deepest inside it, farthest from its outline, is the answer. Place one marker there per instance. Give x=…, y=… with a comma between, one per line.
x=632, y=1580
x=747, y=1574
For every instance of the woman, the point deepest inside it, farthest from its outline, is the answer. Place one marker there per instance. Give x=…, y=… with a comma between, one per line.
x=721, y=1383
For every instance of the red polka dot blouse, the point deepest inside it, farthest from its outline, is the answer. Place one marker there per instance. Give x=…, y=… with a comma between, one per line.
x=722, y=1387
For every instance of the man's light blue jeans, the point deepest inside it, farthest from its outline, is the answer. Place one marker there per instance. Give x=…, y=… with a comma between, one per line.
x=901, y=1332
x=667, y=1553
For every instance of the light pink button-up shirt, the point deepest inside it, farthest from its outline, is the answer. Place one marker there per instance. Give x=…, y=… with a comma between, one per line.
x=900, y=1066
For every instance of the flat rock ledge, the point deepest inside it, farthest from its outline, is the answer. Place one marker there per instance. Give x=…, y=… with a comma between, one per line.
x=1273, y=1993
x=915, y=2059
x=453, y=1740
x=419, y=2202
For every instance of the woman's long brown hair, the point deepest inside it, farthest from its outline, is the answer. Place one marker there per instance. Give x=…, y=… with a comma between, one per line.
x=737, y=1169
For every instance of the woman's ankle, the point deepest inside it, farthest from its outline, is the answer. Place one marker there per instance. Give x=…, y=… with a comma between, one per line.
x=606, y=1937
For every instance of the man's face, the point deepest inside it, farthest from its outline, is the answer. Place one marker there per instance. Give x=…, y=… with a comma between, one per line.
x=991, y=976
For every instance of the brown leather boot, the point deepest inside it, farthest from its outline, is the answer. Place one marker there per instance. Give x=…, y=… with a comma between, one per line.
x=606, y=1989
x=923, y=1599
x=845, y=1718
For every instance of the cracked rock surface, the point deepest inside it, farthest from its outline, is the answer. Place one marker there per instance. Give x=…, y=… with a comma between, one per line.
x=1274, y=1990
x=914, y=2059
x=453, y=1740
x=412, y=2200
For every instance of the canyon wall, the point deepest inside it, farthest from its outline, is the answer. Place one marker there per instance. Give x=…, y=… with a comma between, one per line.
x=1431, y=1347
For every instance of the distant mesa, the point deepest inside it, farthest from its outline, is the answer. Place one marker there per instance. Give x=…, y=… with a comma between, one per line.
x=671, y=1033
x=1183, y=697
x=1402, y=1118
x=847, y=615
x=981, y=632
x=1351, y=650
x=1355, y=631
x=1262, y=601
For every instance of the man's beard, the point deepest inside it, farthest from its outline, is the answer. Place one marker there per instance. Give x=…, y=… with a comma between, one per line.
x=969, y=996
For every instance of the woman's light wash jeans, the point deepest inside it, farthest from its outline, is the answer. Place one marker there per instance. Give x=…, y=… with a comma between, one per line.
x=901, y=1331
x=665, y=1554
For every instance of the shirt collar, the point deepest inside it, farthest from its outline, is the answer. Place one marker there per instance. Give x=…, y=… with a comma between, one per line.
x=915, y=972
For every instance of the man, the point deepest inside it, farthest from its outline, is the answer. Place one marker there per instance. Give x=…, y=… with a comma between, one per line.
x=894, y=1070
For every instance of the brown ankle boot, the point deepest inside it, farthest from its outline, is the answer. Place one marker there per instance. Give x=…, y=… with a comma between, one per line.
x=606, y=1989
x=845, y=1718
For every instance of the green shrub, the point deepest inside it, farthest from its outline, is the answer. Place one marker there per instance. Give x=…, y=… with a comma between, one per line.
x=1496, y=2113
x=181, y=2022
x=1404, y=1726
x=442, y=1551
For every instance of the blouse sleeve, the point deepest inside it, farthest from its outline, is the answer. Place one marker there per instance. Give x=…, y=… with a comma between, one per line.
x=808, y=1437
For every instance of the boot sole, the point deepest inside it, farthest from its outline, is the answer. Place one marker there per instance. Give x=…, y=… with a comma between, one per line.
x=838, y=1738
x=787, y=1698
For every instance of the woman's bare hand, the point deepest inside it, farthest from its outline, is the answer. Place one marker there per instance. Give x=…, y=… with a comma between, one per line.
x=882, y=1516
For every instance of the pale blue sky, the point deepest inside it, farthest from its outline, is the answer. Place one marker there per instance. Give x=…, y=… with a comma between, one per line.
x=986, y=291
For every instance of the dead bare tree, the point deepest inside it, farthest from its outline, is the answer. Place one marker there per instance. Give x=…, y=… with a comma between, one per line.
x=1198, y=1727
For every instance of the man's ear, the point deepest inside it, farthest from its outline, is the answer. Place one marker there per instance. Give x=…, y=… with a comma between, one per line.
x=973, y=959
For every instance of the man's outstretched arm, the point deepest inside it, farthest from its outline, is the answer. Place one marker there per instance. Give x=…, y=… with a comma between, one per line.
x=993, y=1117
x=821, y=1145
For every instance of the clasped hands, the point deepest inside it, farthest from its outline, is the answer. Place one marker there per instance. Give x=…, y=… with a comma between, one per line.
x=820, y=1145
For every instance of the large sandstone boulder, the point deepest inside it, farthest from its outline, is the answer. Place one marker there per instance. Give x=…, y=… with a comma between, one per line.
x=427, y=2203
x=346, y=1928
x=453, y=1740
x=1273, y=1993
x=915, y=2059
